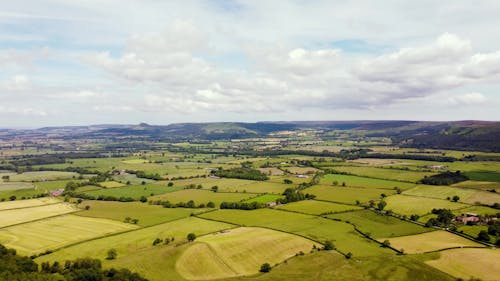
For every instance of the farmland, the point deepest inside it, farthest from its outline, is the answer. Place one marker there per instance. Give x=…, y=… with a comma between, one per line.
x=18, y=216
x=314, y=207
x=347, y=195
x=202, y=196
x=408, y=205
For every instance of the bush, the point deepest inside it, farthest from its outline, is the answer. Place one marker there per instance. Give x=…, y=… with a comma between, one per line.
x=265, y=267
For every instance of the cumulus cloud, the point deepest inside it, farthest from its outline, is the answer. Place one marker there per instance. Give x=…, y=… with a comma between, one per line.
x=15, y=83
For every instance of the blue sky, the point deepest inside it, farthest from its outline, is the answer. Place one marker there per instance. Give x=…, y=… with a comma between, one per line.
x=131, y=61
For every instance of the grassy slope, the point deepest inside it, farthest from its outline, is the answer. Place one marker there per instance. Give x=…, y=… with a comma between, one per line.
x=314, y=207
x=202, y=196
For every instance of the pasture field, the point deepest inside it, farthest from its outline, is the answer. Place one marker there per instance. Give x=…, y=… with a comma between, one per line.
x=379, y=225
x=52, y=233
x=385, y=173
x=51, y=185
x=22, y=193
x=133, y=179
x=356, y=181
x=314, y=207
x=347, y=195
x=473, y=230
x=28, y=203
x=428, y=242
x=262, y=187
x=43, y=176
x=15, y=185
x=111, y=184
x=469, y=196
x=409, y=205
x=133, y=191
x=236, y=185
x=301, y=170
x=316, y=228
x=271, y=171
x=18, y=216
x=480, y=185
x=492, y=176
x=266, y=198
x=146, y=214
x=457, y=262
x=200, y=196
x=138, y=241
x=237, y=252
x=480, y=210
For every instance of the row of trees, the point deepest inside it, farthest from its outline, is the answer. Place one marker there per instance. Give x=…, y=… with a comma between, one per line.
x=189, y=204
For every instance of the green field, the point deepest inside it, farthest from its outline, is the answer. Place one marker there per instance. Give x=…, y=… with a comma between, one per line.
x=266, y=198
x=378, y=225
x=316, y=228
x=201, y=196
x=492, y=176
x=314, y=207
x=51, y=185
x=385, y=173
x=42, y=176
x=470, y=196
x=238, y=252
x=15, y=185
x=347, y=195
x=146, y=214
x=18, y=216
x=480, y=185
x=111, y=184
x=409, y=205
x=356, y=181
x=133, y=191
x=52, y=233
x=428, y=242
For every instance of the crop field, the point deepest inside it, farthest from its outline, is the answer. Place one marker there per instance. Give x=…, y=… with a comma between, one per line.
x=378, y=225
x=238, y=252
x=271, y=171
x=356, y=181
x=200, y=196
x=146, y=214
x=18, y=216
x=15, y=185
x=430, y=241
x=480, y=185
x=469, y=196
x=133, y=191
x=266, y=198
x=52, y=233
x=457, y=262
x=137, y=241
x=316, y=228
x=409, y=205
x=28, y=203
x=51, y=185
x=347, y=195
x=385, y=173
x=43, y=176
x=314, y=207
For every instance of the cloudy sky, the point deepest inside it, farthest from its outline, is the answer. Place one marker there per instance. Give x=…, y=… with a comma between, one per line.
x=69, y=62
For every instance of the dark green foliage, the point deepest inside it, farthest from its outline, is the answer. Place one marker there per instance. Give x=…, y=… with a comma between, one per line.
x=445, y=178
x=494, y=228
x=246, y=173
x=444, y=217
x=242, y=205
x=112, y=254
x=191, y=237
x=265, y=267
x=294, y=195
x=483, y=236
x=328, y=245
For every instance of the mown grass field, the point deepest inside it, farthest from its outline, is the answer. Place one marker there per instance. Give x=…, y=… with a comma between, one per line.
x=356, y=181
x=200, y=196
x=51, y=233
x=43, y=176
x=237, y=252
x=347, y=195
x=139, y=243
x=469, y=196
x=385, y=173
x=480, y=185
x=409, y=205
x=28, y=203
x=313, y=227
x=266, y=198
x=314, y=207
x=111, y=184
x=15, y=185
x=467, y=263
x=430, y=241
x=146, y=214
x=17, y=216
x=51, y=185
x=133, y=191
x=379, y=225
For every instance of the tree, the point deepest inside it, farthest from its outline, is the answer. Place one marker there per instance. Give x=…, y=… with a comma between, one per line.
x=191, y=237
x=215, y=188
x=127, y=219
x=112, y=254
x=386, y=243
x=483, y=236
x=170, y=184
x=455, y=198
x=143, y=199
x=287, y=181
x=87, y=207
x=6, y=178
x=210, y=204
x=265, y=267
x=348, y=255
x=135, y=221
x=381, y=205
x=335, y=183
x=12, y=198
x=328, y=245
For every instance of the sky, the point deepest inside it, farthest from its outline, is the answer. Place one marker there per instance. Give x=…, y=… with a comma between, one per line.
x=80, y=62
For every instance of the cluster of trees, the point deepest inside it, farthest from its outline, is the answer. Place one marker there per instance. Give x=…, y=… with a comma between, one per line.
x=242, y=205
x=245, y=172
x=165, y=241
x=144, y=175
x=189, y=204
x=14, y=267
x=445, y=178
x=293, y=195
x=100, y=197
x=443, y=219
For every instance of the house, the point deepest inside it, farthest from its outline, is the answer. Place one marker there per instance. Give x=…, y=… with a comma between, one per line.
x=271, y=204
x=437, y=167
x=302, y=176
x=468, y=218
x=57, y=192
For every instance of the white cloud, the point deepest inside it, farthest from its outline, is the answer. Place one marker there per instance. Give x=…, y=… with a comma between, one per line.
x=468, y=99
x=15, y=83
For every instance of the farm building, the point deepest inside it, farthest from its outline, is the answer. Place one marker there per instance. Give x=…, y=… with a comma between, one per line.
x=56, y=192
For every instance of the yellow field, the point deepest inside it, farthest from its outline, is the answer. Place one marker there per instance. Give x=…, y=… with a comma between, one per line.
x=466, y=263
x=408, y=205
x=48, y=234
x=27, y=203
x=237, y=252
x=430, y=241
x=17, y=216
x=111, y=184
